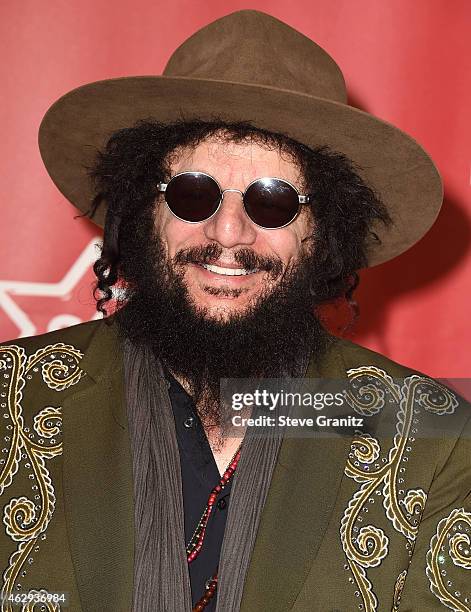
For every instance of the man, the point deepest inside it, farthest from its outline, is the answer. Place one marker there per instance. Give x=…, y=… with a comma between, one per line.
x=238, y=193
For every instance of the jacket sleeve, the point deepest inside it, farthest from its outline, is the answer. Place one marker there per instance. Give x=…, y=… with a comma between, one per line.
x=439, y=573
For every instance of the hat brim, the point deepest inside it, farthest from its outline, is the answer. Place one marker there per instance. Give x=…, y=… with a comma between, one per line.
x=394, y=164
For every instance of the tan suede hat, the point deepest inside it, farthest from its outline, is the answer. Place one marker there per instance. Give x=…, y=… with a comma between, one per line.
x=250, y=66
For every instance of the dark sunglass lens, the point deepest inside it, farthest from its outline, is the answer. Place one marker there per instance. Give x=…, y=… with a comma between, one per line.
x=271, y=202
x=192, y=196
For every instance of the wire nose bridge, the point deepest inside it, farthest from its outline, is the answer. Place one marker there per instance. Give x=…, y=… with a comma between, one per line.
x=223, y=191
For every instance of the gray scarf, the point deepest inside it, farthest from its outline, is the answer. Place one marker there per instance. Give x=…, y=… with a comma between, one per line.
x=161, y=578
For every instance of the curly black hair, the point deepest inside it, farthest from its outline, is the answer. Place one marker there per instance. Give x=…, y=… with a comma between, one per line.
x=136, y=159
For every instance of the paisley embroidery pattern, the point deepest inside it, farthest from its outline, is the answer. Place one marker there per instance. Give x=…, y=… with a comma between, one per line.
x=398, y=587
x=451, y=543
x=27, y=517
x=381, y=473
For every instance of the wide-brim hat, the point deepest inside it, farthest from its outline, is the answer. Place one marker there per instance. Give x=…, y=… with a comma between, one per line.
x=249, y=66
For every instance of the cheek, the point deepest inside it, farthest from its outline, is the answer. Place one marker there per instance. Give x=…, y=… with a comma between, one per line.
x=286, y=243
x=176, y=234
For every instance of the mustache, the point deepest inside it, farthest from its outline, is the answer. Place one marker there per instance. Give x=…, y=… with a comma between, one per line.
x=245, y=257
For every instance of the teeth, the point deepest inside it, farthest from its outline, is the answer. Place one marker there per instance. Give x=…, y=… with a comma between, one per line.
x=228, y=271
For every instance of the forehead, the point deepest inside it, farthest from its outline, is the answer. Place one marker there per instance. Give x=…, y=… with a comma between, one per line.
x=244, y=161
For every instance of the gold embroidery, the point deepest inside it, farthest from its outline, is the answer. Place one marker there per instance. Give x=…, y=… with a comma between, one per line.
x=398, y=588
x=370, y=390
x=34, y=601
x=25, y=519
x=370, y=545
x=452, y=541
x=44, y=605
x=365, y=591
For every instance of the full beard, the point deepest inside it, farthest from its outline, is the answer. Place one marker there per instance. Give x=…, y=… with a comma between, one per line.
x=268, y=339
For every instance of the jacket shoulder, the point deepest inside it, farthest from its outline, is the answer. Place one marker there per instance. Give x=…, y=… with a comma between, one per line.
x=355, y=356
x=432, y=398
x=78, y=336
x=45, y=369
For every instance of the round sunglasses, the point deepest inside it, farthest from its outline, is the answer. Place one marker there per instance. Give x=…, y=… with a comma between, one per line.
x=271, y=203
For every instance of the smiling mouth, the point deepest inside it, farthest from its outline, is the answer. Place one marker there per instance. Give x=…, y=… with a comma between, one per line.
x=228, y=271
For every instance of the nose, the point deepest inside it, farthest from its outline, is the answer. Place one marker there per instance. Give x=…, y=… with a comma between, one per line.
x=230, y=226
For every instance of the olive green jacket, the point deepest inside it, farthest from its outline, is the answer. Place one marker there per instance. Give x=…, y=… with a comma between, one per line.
x=350, y=523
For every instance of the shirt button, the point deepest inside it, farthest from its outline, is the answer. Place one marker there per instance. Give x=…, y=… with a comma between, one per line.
x=222, y=504
x=188, y=423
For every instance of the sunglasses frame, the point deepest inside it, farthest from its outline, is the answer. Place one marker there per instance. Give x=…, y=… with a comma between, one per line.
x=302, y=199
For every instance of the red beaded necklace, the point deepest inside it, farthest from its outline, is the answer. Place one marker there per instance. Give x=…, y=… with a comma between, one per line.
x=196, y=543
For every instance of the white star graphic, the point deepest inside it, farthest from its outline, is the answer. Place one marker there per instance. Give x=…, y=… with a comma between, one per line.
x=20, y=318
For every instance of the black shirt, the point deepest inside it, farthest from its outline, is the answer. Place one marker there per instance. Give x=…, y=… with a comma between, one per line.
x=200, y=475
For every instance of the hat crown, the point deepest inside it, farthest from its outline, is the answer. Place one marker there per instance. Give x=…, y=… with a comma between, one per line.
x=254, y=48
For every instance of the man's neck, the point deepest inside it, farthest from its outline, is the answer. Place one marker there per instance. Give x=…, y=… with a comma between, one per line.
x=223, y=452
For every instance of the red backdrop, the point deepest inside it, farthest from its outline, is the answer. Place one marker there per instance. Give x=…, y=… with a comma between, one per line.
x=407, y=62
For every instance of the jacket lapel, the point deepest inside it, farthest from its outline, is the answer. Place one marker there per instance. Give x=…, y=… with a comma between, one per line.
x=98, y=486
x=300, y=501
